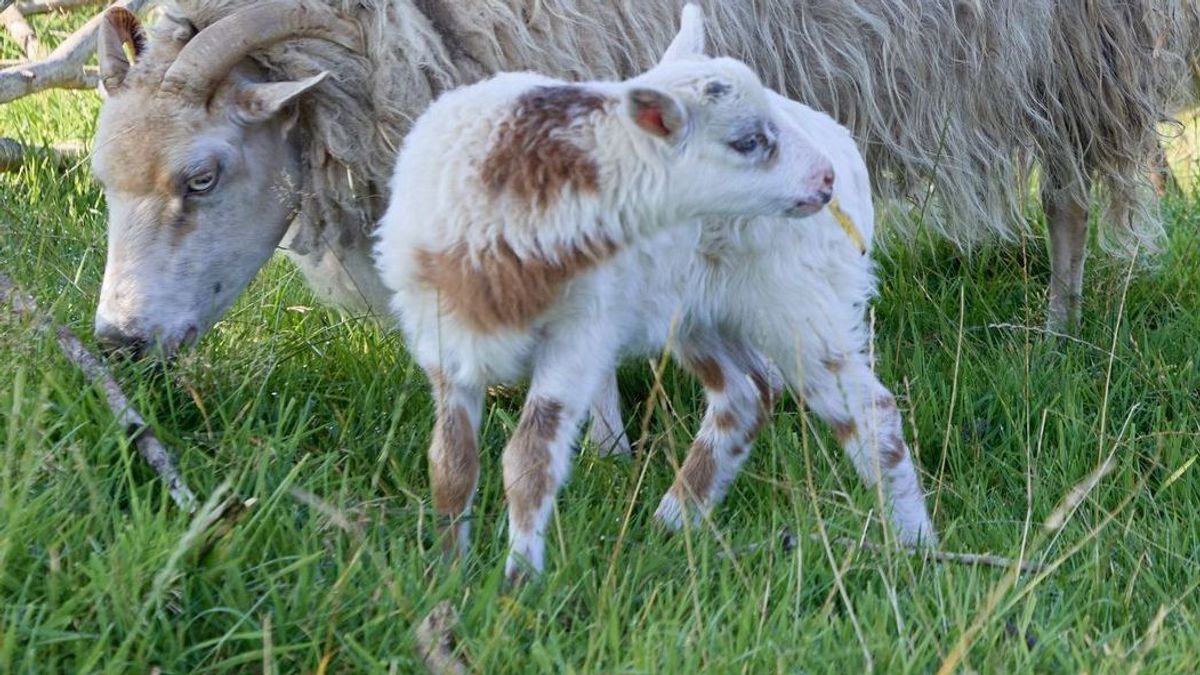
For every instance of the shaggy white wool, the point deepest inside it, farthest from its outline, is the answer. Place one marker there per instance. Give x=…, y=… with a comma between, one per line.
x=954, y=102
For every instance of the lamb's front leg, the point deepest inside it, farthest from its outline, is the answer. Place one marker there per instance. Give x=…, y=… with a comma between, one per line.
x=537, y=459
x=454, y=458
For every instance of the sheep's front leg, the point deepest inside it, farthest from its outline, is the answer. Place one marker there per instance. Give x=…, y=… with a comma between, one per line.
x=566, y=375
x=844, y=392
x=607, y=430
x=1067, y=219
x=739, y=392
x=454, y=458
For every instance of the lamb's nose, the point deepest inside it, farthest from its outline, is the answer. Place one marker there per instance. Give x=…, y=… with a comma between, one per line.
x=827, y=179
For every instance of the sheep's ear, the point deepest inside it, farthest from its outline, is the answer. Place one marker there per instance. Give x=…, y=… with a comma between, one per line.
x=657, y=113
x=254, y=103
x=119, y=27
x=689, y=42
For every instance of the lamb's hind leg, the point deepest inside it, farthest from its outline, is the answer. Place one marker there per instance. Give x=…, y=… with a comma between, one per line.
x=454, y=458
x=607, y=431
x=739, y=392
x=1066, y=211
x=844, y=392
x=537, y=458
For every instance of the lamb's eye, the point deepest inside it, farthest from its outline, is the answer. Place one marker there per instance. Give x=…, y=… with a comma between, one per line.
x=202, y=183
x=748, y=144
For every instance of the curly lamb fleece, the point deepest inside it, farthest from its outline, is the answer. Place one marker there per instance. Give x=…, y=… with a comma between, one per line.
x=955, y=101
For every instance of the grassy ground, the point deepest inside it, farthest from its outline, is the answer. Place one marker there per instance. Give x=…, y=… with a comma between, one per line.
x=323, y=421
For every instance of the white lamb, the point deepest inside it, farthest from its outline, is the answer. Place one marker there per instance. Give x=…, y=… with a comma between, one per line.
x=545, y=229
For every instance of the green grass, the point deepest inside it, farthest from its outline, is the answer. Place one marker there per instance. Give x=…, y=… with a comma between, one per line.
x=98, y=570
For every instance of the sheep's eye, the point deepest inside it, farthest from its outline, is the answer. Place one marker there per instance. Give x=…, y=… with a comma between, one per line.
x=748, y=144
x=202, y=183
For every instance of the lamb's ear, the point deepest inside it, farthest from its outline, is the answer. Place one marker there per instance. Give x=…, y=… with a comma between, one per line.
x=119, y=27
x=254, y=103
x=689, y=42
x=657, y=113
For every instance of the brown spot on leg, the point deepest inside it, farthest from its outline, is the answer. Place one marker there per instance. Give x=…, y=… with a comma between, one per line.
x=844, y=430
x=527, y=478
x=892, y=451
x=726, y=421
x=699, y=469
x=766, y=392
x=833, y=364
x=453, y=469
x=885, y=402
x=709, y=370
x=533, y=158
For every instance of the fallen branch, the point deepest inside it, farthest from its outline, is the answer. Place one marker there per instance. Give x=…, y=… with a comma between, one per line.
x=28, y=8
x=132, y=423
x=436, y=641
x=14, y=154
x=20, y=30
x=787, y=542
x=64, y=68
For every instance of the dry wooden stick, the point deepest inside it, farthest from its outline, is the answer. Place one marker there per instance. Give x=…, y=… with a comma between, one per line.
x=787, y=541
x=64, y=68
x=28, y=8
x=148, y=445
x=20, y=30
x=14, y=154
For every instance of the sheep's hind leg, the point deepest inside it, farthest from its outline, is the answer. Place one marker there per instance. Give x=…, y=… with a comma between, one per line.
x=739, y=394
x=454, y=458
x=1067, y=219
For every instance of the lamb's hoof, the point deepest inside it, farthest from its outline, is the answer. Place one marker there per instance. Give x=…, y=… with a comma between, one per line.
x=670, y=512
x=519, y=571
x=615, y=447
x=922, y=536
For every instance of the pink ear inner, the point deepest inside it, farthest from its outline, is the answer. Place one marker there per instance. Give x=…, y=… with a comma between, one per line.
x=651, y=119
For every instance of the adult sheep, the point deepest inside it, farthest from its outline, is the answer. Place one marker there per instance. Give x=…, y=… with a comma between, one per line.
x=243, y=124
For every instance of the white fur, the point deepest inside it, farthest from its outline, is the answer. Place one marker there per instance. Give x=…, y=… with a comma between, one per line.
x=743, y=288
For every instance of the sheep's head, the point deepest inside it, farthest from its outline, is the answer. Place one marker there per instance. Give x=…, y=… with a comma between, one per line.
x=200, y=170
x=733, y=150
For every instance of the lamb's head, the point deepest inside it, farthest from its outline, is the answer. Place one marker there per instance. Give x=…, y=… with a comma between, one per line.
x=200, y=167
x=733, y=150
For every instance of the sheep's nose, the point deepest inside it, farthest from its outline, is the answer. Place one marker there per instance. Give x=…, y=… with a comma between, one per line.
x=113, y=340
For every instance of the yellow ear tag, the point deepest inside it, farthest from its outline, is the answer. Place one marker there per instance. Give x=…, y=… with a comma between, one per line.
x=848, y=226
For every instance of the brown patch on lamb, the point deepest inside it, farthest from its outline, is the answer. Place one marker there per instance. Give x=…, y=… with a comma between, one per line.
x=533, y=157
x=496, y=288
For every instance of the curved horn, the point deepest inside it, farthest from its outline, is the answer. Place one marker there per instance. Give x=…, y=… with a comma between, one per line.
x=207, y=58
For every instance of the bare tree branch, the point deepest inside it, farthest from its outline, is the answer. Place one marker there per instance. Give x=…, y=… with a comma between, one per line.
x=28, y=8
x=20, y=30
x=14, y=154
x=437, y=643
x=134, y=426
x=64, y=68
